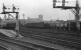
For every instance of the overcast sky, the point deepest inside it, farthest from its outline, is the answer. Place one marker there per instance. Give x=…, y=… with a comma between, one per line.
x=32, y=8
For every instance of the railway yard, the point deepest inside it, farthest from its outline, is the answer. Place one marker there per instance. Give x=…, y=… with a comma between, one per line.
x=17, y=44
x=63, y=39
x=38, y=42
x=16, y=34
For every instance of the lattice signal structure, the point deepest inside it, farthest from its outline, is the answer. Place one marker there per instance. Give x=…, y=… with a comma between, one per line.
x=68, y=4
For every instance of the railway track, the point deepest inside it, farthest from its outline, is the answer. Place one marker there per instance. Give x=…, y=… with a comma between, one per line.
x=20, y=45
x=52, y=38
x=13, y=46
x=61, y=39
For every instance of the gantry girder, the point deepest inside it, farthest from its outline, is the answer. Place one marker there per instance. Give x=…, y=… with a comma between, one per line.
x=75, y=9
